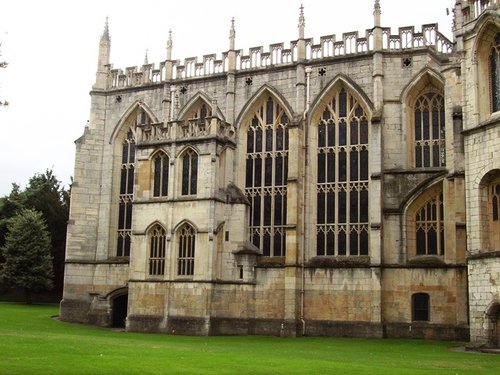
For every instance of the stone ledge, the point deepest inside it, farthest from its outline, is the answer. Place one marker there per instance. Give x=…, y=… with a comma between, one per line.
x=484, y=255
x=339, y=262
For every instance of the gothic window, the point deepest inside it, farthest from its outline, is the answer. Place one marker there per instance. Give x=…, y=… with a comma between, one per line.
x=420, y=307
x=430, y=228
x=342, y=178
x=266, y=177
x=157, y=238
x=189, y=172
x=160, y=175
x=495, y=74
x=495, y=201
x=429, y=130
x=494, y=215
x=126, y=195
x=200, y=112
x=185, y=259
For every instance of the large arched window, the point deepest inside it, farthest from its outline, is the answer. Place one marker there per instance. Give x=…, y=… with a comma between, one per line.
x=429, y=130
x=157, y=241
x=430, y=228
x=160, y=175
x=126, y=195
x=266, y=176
x=495, y=74
x=342, y=177
x=189, y=172
x=185, y=261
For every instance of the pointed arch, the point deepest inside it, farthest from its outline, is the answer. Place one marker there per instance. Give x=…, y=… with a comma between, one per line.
x=340, y=80
x=340, y=121
x=256, y=98
x=420, y=83
x=424, y=220
x=425, y=119
x=189, y=159
x=186, y=244
x=195, y=102
x=160, y=169
x=264, y=124
x=157, y=236
x=183, y=222
x=486, y=60
x=154, y=224
x=126, y=119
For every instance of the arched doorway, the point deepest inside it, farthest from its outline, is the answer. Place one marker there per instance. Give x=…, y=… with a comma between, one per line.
x=493, y=316
x=119, y=311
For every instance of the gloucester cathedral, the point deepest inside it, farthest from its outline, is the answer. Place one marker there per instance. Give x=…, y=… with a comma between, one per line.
x=346, y=186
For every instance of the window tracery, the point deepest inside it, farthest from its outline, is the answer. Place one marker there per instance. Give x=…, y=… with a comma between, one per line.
x=189, y=172
x=429, y=130
x=157, y=251
x=126, y=194
x=266, y=177
x=185, y=259
x=429, y=227
x=342, y=178
x=160, y=175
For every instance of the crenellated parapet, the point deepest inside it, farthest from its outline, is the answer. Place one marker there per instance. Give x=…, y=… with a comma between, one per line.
x=350, y=44
x=197, y=128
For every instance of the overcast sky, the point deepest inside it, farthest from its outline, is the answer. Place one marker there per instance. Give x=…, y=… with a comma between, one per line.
x=51, y=47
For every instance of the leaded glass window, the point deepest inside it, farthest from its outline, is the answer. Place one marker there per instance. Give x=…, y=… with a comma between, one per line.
x=342, y=220
x=157, y=251
x=266, y=176
x=160, y=175
x=185, y=259
x=430, y=131
x=430, y=228
x=126, y=195
x=495, y=201
x=189, y=172
x=495, y=74
x=420, y=307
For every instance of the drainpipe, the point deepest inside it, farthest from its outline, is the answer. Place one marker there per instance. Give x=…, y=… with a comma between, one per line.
x=304, y=174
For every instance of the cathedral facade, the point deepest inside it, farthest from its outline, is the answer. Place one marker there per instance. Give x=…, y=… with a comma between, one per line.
x=345, y=188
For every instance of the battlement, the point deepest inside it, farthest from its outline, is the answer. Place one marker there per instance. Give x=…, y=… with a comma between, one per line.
x=351, y=44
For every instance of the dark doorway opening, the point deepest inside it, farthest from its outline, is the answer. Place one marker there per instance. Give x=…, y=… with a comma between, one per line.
x=119, y=311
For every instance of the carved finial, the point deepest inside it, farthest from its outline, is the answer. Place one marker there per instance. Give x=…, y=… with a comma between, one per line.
x=302, y=22
x=146, y=58
x=232, y=35
x=376, y=13
x=169, y=45
x=105, y=34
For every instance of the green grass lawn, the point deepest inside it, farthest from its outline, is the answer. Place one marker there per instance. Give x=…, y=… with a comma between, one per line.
x=31, y=342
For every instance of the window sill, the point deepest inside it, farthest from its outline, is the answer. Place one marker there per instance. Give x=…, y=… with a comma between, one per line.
x=426, y=260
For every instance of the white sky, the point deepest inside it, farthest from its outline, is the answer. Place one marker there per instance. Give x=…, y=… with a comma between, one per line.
x=51, y=47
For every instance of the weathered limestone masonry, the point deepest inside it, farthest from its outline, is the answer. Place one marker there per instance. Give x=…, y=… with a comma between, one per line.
x=315, y=189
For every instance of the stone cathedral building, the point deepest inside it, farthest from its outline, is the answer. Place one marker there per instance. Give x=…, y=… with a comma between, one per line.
x=345, y=186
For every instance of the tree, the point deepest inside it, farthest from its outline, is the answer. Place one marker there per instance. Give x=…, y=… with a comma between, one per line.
x=43, y=193
x=28, y=263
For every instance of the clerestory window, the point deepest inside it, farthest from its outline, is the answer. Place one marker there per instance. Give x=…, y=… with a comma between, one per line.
x=189, y=172
x=266, y=176
x=429, y=131
x=342, y=221
x=185, y=259
x=126, y=195
x=160, y=175
x=157, y=241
